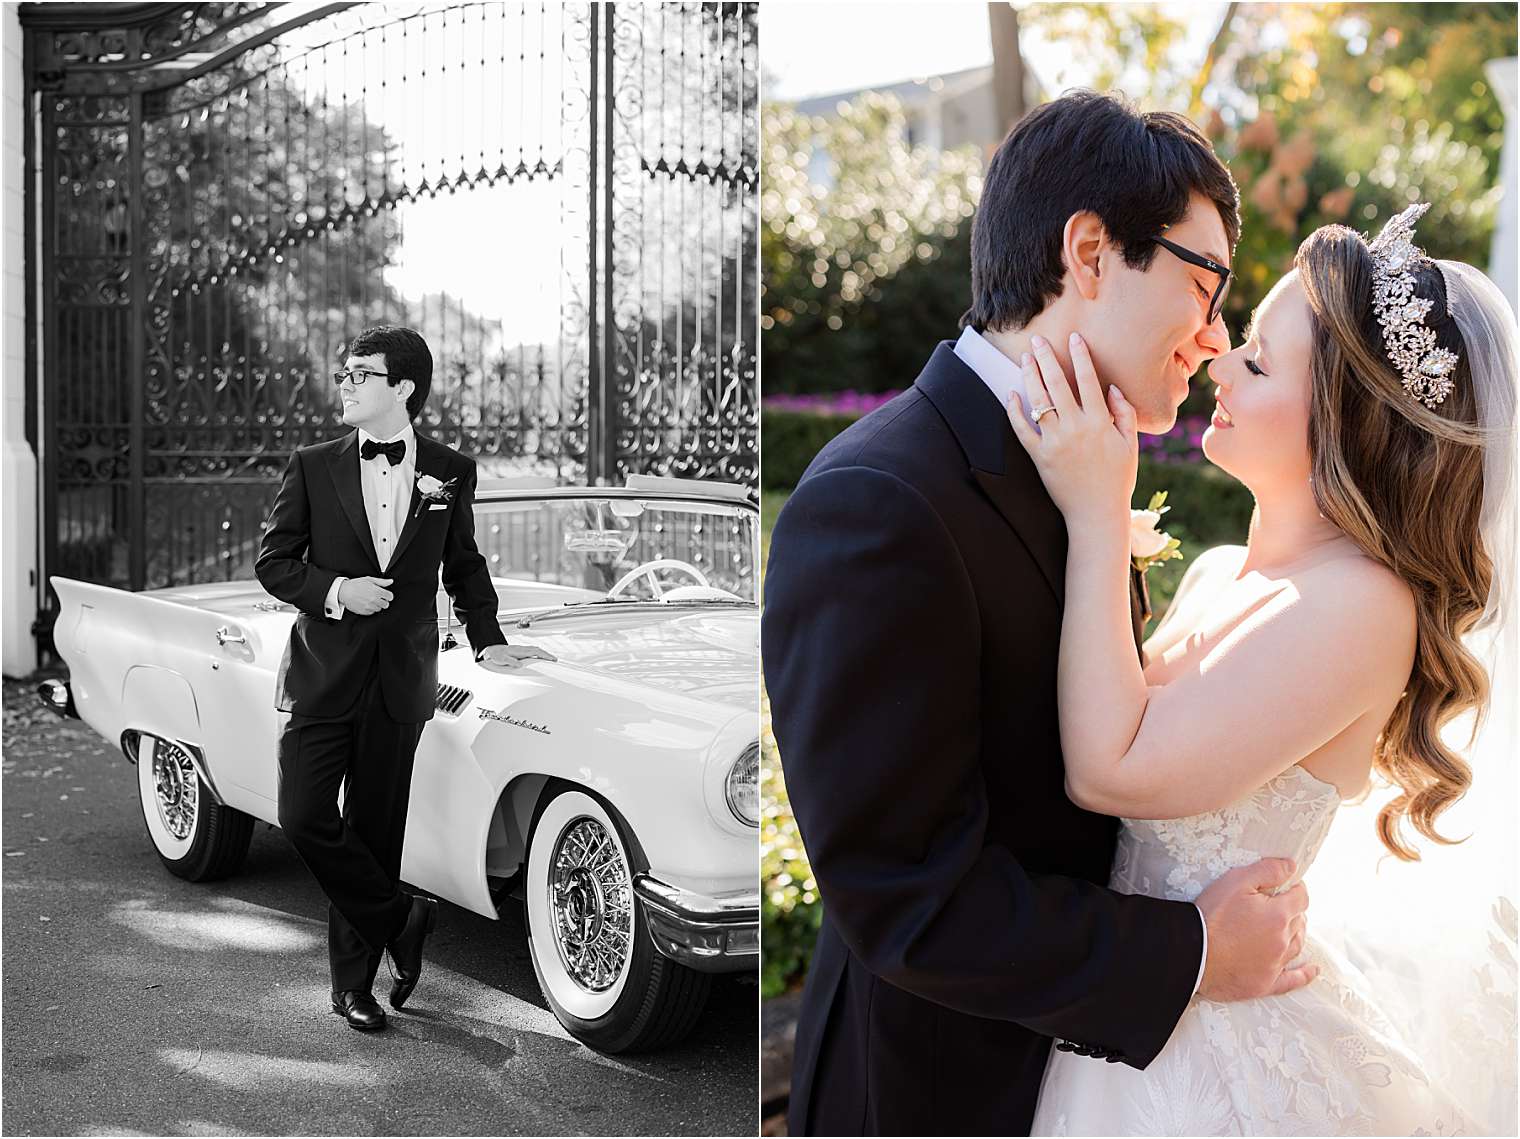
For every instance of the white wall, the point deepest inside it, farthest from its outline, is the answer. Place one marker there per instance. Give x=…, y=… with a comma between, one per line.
x=18, y=491
x=1501, y=262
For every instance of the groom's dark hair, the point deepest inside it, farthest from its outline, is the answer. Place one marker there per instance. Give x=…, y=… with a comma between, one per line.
x=1084, y=151
x=406, y=358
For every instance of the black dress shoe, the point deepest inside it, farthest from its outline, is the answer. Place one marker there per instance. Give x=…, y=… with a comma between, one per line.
x=405, y=949
x=360, y=1009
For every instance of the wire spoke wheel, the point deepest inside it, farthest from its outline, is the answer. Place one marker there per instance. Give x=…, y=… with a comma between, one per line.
x=177, y=790
x=593, y=905
x=603, y=978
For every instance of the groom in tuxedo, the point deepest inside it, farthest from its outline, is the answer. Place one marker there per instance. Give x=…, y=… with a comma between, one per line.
x=913, y=609
x=359, y=531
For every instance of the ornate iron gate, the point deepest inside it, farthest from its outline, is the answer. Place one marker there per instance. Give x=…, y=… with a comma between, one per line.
x=223, y=193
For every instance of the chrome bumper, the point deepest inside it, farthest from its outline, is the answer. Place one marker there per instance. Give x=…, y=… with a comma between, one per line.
x=57, y=695
x=709, y=934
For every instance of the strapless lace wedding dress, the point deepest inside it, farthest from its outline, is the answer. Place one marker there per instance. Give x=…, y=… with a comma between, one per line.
x=1318, y=1061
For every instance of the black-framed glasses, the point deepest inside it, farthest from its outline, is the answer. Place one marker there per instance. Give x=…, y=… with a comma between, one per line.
x=357, y=375
x=1216, y=302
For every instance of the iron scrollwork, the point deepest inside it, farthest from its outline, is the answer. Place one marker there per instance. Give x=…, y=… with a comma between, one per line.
x=212, y=232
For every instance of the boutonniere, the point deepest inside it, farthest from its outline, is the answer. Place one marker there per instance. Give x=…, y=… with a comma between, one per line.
x=1147, y=544
x=432, y=490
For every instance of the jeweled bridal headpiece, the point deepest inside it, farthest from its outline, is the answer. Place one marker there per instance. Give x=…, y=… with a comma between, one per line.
x=1410, y=345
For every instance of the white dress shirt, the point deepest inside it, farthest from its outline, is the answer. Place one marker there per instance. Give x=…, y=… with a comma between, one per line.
x=387, y=497
x=1002, y=376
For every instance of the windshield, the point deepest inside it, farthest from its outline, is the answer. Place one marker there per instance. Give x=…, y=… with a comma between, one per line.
x=589, y=545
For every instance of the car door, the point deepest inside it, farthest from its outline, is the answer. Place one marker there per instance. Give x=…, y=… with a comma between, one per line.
x=237, y=656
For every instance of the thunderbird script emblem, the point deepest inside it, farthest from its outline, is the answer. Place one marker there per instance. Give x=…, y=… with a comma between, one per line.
x=506, y=718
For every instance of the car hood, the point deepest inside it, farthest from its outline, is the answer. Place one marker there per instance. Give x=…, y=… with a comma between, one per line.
x=711, y=654
x=706, y=653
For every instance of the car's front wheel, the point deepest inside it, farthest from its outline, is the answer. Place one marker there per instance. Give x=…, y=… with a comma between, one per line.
x=591, y=949
x=196, y=838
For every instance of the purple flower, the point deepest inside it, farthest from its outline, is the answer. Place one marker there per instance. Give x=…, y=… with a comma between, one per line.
x=848, y=402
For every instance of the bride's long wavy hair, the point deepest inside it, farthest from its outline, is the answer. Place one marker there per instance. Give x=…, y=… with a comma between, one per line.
x=1405, y=483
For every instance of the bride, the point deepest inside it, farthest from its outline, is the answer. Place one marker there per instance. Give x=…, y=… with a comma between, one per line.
x=1370, y=411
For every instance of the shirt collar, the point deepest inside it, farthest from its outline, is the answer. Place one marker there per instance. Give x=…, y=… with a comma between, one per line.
x=998, y=372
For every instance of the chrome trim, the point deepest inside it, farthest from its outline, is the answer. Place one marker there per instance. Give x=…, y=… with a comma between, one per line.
x=642, y=605
x=718, y=934
x=452, y=699
x=752, y=754
x=178, y=798
x=225, y=636
x=588, y=895
x=58, y=697
x=131, y=744
x=508, y=494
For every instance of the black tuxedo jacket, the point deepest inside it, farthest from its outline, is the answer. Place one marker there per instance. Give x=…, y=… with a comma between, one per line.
x=912, y=621
x=318, y=532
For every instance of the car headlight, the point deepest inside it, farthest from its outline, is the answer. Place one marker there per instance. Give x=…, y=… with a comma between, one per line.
x=742, y=788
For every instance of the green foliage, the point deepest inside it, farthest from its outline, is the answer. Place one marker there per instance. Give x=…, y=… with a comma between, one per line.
x=1347, y=113
x=859, y=275
x=789, y=440
x=1130, y=47
x=1324, y=113
x=789, y=908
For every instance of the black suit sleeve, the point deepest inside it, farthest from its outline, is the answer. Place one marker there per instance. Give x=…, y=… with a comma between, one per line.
x=466, y=576
x=871, y=639
x=282, y=568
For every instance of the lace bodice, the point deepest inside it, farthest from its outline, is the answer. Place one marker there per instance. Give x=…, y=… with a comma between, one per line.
x=1288, y=817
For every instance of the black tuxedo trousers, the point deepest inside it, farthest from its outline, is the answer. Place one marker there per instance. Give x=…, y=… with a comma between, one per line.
x=356, y=856
x=913, y=606
x=359, y=689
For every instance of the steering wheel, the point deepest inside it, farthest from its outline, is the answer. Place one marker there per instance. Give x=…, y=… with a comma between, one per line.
x=649, y=570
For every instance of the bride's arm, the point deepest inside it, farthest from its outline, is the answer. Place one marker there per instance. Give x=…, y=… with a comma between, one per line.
x=1292, y=676
x=1289, y=678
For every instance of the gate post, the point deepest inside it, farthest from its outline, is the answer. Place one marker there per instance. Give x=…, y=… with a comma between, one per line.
x=18, y=578
x=137, y=493
x=595, y=378
x=601, y=433
x=607, y=409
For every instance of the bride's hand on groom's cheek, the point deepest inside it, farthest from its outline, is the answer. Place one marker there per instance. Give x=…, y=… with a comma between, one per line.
x=1086, y=453
x=1255, y=936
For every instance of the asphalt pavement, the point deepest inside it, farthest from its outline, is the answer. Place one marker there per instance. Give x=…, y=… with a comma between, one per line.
x=135, y=1003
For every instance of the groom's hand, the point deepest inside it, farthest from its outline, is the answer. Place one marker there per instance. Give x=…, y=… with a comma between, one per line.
x=1254, y=935
x=513, y=656
x=365, y=595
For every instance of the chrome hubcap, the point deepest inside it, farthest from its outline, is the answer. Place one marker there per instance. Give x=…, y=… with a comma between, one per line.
x=177, y=789
x=592, y=899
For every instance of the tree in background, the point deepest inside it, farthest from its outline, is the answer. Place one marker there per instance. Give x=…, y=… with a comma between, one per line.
x=1325, y=113
x=1348, y=113
x=859, y=274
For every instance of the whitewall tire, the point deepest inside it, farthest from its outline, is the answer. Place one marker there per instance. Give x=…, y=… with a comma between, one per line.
x=195, y=838
x=591, y=949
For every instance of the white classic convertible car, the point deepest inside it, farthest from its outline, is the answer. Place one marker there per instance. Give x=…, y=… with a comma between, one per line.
x=614, y=790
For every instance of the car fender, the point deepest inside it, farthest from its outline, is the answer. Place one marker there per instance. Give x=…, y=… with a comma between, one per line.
x=643, y=751
x=159, y=701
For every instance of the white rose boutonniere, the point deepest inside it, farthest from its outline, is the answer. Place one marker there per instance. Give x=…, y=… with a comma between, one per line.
x=1147, y=544
x=432, y=490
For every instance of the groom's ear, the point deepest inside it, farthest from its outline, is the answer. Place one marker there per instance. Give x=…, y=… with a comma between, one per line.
x=1083, y=243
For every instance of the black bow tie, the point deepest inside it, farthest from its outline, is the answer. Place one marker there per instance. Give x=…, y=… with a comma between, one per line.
x=395, y=450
